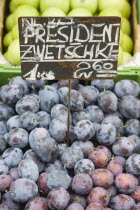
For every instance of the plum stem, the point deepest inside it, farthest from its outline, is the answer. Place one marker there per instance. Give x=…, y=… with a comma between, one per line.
x=77, y=198
x=135, y=143
x=65, y=165
x=93, y=149
x=35, y=121
x=65, y=142
x=134, y=191
x=42, y=192
x=112, y=158
x=118, y=134
x=107, y=196
x=125, y=126
x=8, y=191
x=32, y=87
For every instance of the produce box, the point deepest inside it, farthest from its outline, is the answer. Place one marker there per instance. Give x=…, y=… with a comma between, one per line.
x=97, y=170
x=7, y=72
x=138, y=8
x=2, y=10
x=97, y=166
x=125, y=23
x=136, y=25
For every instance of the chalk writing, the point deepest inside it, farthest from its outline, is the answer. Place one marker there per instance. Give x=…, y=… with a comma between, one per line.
x=34, y=74
x=76, y=47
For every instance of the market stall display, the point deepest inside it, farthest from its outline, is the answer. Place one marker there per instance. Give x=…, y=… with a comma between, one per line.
x=67, y=8
x=132, y=71
x=100, y=167
x=136, y=25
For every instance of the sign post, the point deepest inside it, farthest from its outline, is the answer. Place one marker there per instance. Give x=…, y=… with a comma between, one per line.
x=68, y=121
x=54, y=48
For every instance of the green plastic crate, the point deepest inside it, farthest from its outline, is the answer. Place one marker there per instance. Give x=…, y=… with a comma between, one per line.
x=138, y=11
x=129, y=73
x=7, y=72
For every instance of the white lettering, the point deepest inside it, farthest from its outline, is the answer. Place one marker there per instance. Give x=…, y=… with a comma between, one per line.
x=63, y=35
x=80, y=31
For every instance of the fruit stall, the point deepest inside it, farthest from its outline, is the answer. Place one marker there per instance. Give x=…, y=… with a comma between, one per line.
x=96, y=166
x=129, y=34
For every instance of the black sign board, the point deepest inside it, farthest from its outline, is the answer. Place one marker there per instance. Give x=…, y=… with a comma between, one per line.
x=69, y=47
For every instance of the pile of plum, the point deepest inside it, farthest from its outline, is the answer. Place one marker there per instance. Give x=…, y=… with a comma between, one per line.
x=99, y=170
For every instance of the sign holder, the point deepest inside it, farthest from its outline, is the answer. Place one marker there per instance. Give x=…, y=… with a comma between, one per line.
x=68, y=121
x=56, y=48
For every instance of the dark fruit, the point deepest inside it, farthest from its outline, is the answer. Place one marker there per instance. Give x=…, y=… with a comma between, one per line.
x=75, y=206
x=37, y=203
x=121, y=202
x=82, y=184
x=99, y=195
x=126, y=183
x=132, y=164
x=100, y=156
x=102, y=178
x=58, y=198
x=29, y=190
x=95, y=206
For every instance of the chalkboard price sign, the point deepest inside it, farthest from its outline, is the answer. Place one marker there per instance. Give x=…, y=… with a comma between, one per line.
x=69, y=47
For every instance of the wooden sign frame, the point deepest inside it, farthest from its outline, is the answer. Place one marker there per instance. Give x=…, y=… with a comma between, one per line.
x=69, y=47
